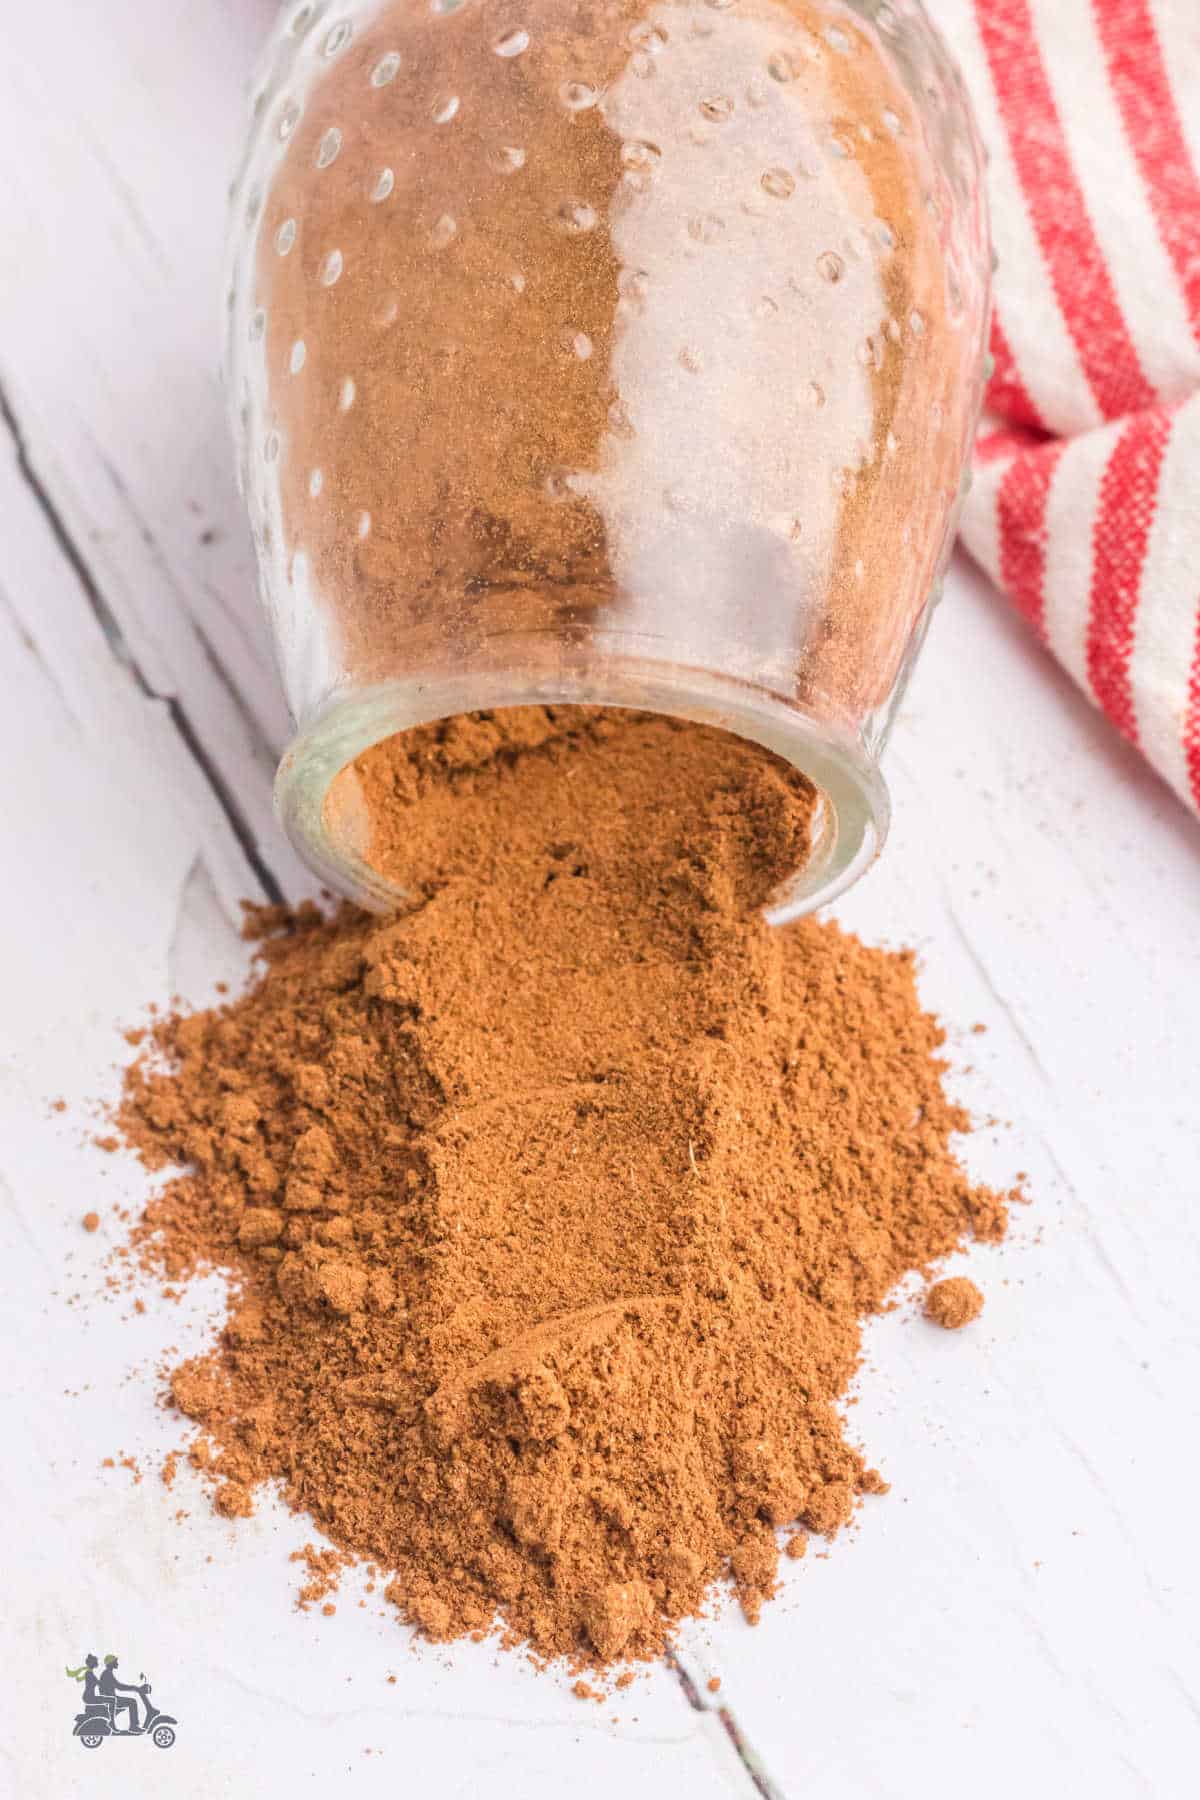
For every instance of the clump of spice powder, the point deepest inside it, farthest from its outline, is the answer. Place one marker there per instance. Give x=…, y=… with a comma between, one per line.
x=552, y=1207
x=953, y=1303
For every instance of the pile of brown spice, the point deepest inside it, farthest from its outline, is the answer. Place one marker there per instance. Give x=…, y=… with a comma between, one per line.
x=553, y=1207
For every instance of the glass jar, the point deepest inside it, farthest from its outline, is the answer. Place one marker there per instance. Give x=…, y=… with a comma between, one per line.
x=624, y=352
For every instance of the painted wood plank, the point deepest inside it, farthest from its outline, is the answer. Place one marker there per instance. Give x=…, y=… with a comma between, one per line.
x=125, y=121
x=1019, y=1610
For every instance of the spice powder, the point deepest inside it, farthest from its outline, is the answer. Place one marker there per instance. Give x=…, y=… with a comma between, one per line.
x=552, y=1208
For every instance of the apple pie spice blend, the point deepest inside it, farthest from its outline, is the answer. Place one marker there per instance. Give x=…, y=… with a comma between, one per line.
x=552, y=1207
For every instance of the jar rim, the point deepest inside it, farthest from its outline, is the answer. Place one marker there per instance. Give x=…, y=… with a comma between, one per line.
x=852, y=815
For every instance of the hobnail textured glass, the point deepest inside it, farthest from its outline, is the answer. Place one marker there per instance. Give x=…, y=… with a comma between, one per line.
x=619, y=353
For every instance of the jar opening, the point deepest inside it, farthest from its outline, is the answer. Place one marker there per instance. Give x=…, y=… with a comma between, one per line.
x=323, y=809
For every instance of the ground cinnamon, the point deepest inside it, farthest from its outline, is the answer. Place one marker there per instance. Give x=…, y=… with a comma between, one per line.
x=552, y=1207
x=953, y=1303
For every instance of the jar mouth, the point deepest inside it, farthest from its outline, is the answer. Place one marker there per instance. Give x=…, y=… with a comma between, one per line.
x=850, y=821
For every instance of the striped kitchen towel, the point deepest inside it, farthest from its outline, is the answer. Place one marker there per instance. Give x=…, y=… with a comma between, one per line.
x=1086, y=503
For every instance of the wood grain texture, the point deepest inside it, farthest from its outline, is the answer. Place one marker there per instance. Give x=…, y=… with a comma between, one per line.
x=1020, y=1612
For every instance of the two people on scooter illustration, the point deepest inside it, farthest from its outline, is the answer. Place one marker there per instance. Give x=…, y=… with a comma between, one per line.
x=106, y=1688
x=106, y=1697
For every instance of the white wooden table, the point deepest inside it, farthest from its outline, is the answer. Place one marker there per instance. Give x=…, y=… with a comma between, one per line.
x=1019, y=1616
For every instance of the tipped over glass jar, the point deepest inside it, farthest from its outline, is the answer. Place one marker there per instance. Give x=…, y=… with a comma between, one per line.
x=619, y=352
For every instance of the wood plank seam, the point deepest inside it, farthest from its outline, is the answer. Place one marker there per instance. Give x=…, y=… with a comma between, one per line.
x=123, y=654
x=742, y=1748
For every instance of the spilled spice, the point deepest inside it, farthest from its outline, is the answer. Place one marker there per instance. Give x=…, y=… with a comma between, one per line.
x=325, y=1568
x=953, y=1303
x=553, y=1207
